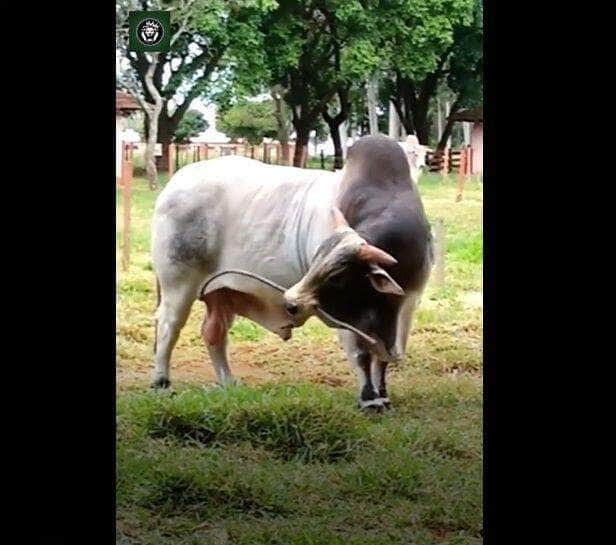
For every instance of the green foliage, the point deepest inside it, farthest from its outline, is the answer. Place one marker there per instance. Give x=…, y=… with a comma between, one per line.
x=252, y=121
x=218, y=36
x=192, y=124
x=465, y=77
x=319, y=49
x=415, y=34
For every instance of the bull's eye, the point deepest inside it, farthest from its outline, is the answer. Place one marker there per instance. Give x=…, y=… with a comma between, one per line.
x=336, y=279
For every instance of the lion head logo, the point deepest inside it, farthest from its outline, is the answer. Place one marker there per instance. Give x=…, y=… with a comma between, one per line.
x=150, y=32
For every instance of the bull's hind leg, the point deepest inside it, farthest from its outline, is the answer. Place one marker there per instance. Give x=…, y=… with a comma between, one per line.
x=361, y=361
x=215, y=330
x=171, y=315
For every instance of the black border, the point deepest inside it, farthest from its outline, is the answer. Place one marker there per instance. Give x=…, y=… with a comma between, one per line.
x=60, y=244
x=60, y=262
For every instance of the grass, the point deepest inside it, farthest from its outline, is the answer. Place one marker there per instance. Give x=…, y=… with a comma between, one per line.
x=285, y=458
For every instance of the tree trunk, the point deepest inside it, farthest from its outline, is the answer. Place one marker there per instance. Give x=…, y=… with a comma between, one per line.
x=445, y=137
x=283, y=126
x=334, y=131
x=448, y=112
x=423, y=132
x=442, y=144
x=394, y=122
x=284, y=148
x=153, y=113
x=301, y=147
x=150, y=150
x=371, y=92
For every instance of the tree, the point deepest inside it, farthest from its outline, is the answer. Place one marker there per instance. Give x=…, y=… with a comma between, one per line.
x=208, y=36
x=315, y=52
x=250, y=120
x=465, y=76
x=283, y=120
x=417, y=40
x=372, y=86
x=193, y=123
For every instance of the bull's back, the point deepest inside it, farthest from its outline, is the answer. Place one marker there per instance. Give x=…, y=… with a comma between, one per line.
x=227, y=212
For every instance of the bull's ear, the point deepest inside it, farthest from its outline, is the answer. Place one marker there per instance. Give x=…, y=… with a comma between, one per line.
x=372, y=254
x=381, y=281
x=340, y=221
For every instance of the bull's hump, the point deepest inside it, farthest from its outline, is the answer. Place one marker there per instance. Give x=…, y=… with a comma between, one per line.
x=377, y=160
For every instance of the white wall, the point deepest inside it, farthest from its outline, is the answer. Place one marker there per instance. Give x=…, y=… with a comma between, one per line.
x=120, y=122
x=477, y=147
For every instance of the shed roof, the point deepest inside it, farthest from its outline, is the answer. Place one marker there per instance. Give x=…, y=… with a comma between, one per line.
x=126, y=103
x=469, y=114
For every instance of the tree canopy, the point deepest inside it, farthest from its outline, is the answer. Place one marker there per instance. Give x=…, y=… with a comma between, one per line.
x=217, y=44
x=422, y=43
x=314, y=57
x=252, y=121
x=192, y=124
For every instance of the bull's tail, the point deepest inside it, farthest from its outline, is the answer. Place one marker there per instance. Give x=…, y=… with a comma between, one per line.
x=156, y=314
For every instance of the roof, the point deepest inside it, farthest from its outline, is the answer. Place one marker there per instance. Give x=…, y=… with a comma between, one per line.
x=125, y=102
x=469, y=114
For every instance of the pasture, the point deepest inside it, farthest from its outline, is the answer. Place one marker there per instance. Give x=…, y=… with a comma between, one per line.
x=286, y=458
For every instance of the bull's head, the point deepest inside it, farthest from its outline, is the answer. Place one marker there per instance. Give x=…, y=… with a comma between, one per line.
x=345, y=269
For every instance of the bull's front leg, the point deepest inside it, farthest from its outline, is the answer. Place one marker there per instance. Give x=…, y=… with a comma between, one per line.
x=378, y=370
x=362, y=361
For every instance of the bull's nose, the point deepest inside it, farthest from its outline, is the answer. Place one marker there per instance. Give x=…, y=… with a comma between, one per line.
x=291, y=308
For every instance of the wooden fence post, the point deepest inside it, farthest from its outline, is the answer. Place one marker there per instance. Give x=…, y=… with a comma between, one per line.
x=461, y=174
x=445, y=166
x=439, y=252
x=127, y=175
x=172, y=159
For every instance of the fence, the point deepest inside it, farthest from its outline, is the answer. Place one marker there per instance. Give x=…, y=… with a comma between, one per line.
x=179, y=155
x=124, y=182
x=448, y=160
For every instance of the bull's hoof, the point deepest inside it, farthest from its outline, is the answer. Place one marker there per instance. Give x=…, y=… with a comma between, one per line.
x=372, y=405
x=160, y=383
x=227, y=383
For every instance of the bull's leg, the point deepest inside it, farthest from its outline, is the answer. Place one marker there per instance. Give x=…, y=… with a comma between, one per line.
x=219, y=358
x=171, y=315
x=378, y=369
x=215, y=329
x=361, y=360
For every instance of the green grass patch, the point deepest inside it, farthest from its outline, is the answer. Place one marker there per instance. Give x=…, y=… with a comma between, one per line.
x=293, y=423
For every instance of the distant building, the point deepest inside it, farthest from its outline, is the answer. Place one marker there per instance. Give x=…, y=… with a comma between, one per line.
x=125, y=105
x=474, y=116
x=210, y=135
